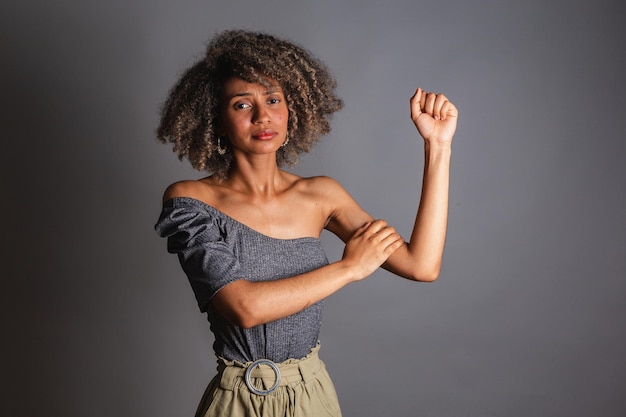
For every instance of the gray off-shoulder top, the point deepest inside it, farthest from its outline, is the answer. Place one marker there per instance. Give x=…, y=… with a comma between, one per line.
x=215, y=250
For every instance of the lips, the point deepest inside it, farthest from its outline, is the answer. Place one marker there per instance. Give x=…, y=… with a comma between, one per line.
x=265, y=134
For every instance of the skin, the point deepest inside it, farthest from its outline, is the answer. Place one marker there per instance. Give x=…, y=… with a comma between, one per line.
x=285, y=206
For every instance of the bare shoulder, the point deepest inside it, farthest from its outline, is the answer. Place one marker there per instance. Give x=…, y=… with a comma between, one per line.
x=330, y=194
x=343, y=214
x=198, y=189
x=323, y=186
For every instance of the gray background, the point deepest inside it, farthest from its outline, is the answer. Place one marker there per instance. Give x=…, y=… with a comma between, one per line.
x=527, y=318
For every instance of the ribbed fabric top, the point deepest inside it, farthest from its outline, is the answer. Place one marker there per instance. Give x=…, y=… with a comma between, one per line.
x=215, y=250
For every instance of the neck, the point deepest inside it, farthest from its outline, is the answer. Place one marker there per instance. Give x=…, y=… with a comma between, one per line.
x=256, y=176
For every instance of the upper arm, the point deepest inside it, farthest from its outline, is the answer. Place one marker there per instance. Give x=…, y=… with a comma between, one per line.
x=345, y=214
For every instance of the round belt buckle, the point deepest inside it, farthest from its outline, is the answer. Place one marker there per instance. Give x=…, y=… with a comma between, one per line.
x=253, y=365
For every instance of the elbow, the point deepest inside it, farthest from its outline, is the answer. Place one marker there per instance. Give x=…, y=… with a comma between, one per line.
x=247, y=314
x=248, y=317
x=236, y=318
x=427, y=277
x=430, y=274
x=238, y=311
x=243, y=317
x=244, y=323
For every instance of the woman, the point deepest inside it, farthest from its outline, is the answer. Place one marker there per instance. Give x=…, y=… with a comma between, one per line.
x=247, y=236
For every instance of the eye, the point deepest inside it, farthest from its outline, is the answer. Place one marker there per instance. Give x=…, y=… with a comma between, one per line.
x=274, y=100
x=241, y=106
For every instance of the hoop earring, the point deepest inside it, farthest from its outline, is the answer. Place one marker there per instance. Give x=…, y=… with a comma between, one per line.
x=220, y=150
x=285, y=142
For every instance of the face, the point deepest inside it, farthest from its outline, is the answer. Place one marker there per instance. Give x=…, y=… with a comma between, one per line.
x=253, y=116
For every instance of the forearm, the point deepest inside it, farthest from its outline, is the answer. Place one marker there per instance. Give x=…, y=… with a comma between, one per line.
x=247, y=303
x=429, y=232
x=421, y=257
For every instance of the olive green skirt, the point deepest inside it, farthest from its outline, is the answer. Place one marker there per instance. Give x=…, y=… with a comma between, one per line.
x=304, y=389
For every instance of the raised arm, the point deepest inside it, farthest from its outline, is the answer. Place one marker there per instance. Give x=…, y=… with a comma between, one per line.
x=420, y=258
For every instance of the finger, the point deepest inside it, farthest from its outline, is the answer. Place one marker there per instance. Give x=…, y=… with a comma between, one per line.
x=440, y=100
x=429, y=104
x=444, y=110
x=416, y=104
x=394, y=246
x=451, y=110
x=385, y=235
x=391, y=238
x=375, y=227
x=417, y=95
x=361, y=230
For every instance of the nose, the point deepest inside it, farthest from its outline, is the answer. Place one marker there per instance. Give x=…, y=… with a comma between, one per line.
x=260, y=115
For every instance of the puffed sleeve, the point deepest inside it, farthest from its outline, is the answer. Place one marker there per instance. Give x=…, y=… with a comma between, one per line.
x=200, y=241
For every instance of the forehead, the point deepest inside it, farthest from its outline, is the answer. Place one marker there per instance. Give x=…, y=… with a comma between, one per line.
x=236, y=86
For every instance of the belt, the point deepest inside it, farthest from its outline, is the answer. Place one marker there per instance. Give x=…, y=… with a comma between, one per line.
x=263, y=376
x=251, y=368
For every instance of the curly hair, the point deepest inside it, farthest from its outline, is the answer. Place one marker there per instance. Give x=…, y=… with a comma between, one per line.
x=190, y=115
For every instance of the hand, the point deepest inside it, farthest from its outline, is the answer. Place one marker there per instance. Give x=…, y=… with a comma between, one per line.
x=370, y=246
x=434, y=116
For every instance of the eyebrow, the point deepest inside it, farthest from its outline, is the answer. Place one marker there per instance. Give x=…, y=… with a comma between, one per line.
x=270, y=90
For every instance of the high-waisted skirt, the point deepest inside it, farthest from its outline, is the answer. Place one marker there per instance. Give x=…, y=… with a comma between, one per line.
x=304, y=389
